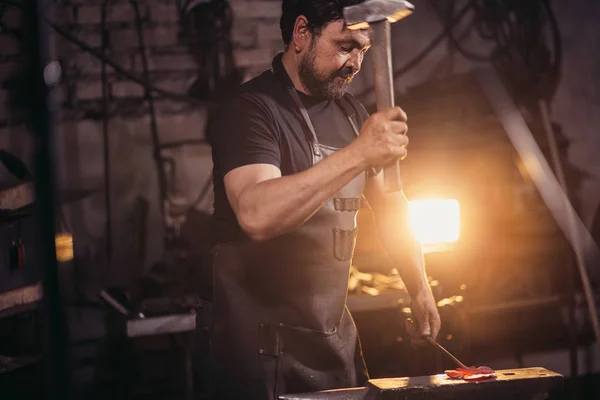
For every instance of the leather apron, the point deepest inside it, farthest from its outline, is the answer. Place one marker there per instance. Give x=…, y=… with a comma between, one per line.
x=280, y=321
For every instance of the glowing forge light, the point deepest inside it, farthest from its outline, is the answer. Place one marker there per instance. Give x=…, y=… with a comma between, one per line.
x=435, y=222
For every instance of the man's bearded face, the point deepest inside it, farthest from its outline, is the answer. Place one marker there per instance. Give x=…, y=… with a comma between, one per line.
x=323, y=81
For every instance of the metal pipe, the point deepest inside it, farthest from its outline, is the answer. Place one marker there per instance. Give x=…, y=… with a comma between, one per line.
x=45, y=74
x=162, y=176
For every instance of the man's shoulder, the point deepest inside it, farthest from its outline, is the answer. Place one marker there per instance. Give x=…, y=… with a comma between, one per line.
x=261, y=82
x=263, y=86
x=249, y=105
x=258, y=94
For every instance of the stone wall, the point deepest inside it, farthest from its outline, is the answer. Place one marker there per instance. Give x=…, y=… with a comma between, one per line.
x=256, y=34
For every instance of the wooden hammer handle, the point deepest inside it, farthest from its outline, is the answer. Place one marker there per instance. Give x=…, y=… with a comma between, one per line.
x=384, y=89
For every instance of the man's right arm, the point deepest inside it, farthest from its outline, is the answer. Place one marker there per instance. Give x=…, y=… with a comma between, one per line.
x=267, y=205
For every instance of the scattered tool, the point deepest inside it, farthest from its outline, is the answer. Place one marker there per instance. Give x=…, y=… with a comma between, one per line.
x=378, y=15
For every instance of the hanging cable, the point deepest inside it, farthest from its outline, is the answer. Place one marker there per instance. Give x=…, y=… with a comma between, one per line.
x=523, y=52
x=122, y=71
x=425, y=52
x=203, y=193
x=106, y=139
x=144, y=83
x=516, y=29
x=162, y=176
x=206, y=27
x=446, y=20
x=554, y=72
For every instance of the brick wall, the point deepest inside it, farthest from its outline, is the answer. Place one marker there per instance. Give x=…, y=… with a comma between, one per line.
x=10, y=49
x=169, y=60
x=256, y=34
x=256, y=39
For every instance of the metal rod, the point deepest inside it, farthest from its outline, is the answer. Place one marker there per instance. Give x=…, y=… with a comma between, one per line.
x=548, y=186
x=440, y=347
x=577, y=247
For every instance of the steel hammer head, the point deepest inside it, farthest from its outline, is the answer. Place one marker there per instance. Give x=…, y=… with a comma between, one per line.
x=361, y=15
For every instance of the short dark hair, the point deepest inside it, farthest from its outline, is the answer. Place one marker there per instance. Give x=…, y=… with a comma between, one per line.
x=318, y=13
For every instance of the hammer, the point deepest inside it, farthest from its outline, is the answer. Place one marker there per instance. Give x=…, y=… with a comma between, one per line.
x=378, y=15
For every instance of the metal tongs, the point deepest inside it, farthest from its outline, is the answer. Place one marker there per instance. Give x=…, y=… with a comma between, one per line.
x=440, y=347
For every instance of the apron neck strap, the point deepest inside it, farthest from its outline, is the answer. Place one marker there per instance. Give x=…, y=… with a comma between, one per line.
x=346, y=106
x=307, y=121
x=280, y=72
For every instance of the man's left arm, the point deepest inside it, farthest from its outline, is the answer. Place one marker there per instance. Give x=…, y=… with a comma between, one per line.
x=392, y=218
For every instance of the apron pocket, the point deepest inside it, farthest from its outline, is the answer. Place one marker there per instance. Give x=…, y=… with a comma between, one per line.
x=343, y=243
x=347, y=204
x=311, y=361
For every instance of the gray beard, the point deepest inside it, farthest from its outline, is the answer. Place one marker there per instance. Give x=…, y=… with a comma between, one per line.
x=330, y=88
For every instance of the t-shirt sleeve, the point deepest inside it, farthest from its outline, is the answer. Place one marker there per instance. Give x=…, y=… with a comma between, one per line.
x=244, y=133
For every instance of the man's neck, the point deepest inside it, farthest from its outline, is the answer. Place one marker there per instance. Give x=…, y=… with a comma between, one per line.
x=290, y=63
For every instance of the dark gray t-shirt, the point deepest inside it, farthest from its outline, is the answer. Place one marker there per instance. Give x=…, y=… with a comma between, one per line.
x=247, y=130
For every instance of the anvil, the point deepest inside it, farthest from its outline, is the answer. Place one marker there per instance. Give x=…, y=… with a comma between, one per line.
x=513, y=384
